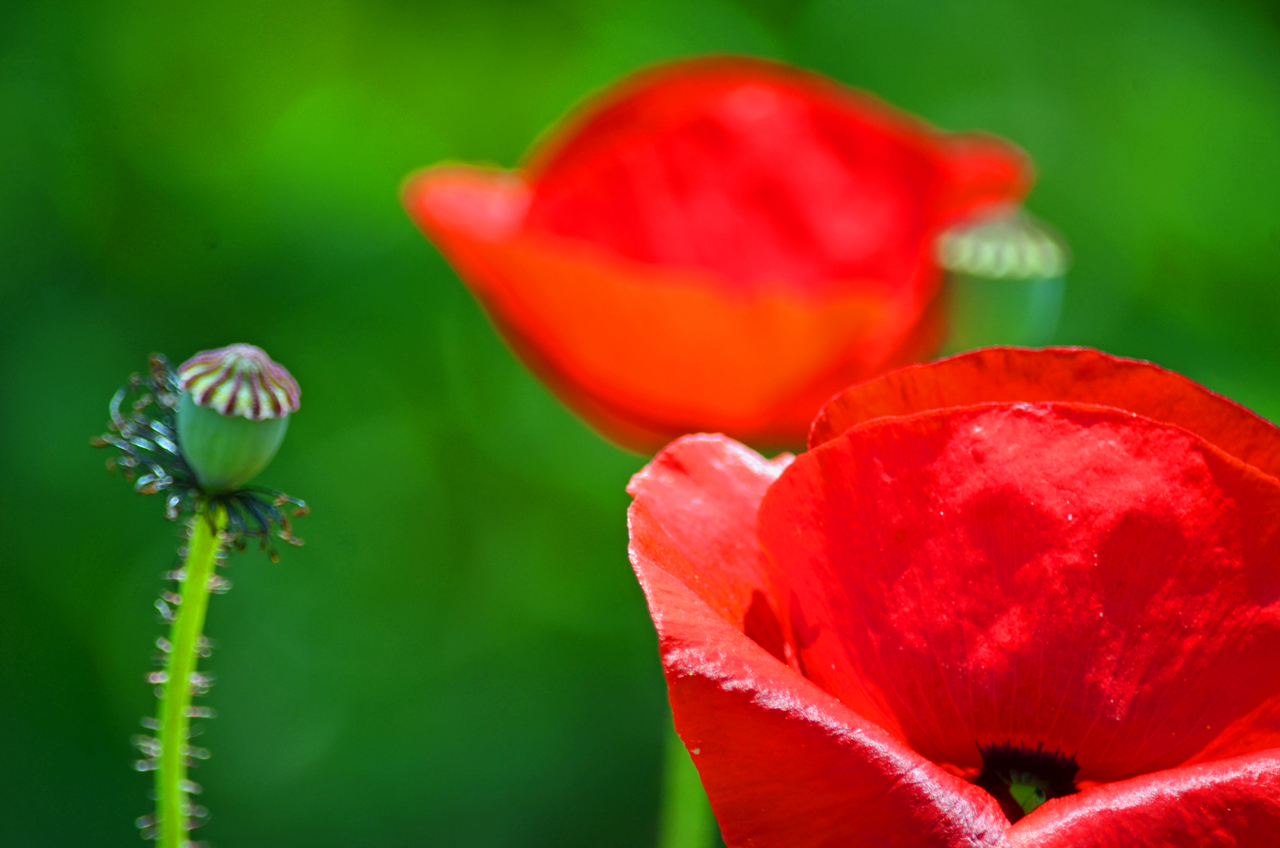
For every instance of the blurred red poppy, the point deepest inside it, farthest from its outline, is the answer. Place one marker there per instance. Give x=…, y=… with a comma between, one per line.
x=1013, y=598
x=717, y=244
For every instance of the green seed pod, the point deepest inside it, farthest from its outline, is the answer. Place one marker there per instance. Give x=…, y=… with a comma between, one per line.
x=232, y=414
x=1005, y=280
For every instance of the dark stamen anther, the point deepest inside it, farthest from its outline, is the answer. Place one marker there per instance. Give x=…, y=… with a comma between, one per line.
x=1022, y=778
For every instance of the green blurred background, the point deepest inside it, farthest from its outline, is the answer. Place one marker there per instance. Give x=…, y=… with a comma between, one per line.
x=460, y=655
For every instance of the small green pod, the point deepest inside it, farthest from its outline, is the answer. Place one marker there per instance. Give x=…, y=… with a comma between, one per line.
x=232, y=414
x=1005, y=281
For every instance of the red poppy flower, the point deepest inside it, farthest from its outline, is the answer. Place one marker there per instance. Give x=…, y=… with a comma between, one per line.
x=1051, y=574
x=718, y=244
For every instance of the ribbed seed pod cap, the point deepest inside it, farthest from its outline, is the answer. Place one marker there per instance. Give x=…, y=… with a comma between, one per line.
x=240, y=380
x=1014, y=246
x=232, y=413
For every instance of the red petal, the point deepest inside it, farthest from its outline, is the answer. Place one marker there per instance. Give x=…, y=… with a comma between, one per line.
x=1229, y=804
x=982, y=172
x=648, y=352
x=1053, y=573
x=1063, y=374
x=763, y=174
x=695, y=516
x=784, y=764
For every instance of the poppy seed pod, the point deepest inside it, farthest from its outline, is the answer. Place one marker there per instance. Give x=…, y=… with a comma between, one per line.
x=233, y=413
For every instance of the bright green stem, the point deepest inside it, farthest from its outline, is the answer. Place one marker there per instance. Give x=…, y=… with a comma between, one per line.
x=184, y=640
x=686, y=820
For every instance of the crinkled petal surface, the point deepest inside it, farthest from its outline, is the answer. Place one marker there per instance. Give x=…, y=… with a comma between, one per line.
x=715, y=244
x=1043, y=573
x=1075, y=375
x=784, y=763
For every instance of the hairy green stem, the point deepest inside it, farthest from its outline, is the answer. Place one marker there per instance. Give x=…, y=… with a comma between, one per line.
x=175, y=702
x=685, y=820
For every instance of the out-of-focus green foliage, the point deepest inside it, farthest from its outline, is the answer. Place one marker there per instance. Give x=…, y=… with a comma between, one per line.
x=460, y=655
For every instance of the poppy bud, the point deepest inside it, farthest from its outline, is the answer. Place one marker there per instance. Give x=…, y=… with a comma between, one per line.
x=232, y=413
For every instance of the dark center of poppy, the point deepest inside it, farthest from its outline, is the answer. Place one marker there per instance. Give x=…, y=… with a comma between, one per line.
x=1023, y=778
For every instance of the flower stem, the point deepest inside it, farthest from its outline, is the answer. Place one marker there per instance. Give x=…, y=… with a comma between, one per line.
x=685, y=820
x=184, y=639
